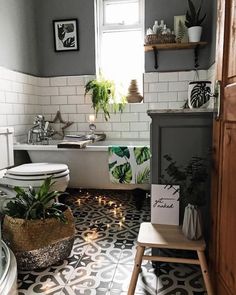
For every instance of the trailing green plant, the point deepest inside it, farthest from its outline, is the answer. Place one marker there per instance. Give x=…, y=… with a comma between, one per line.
x=30, y=204
x=103, y=94
x=193, y=17
x=191, y=179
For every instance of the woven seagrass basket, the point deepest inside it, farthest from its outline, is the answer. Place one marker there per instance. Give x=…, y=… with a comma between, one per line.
x=39, y=243
x=159, y=39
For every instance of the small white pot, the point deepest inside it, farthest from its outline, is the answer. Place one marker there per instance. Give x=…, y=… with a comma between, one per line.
x=194, y=34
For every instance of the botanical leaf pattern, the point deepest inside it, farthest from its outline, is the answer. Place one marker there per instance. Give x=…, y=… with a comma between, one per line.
x=200, y=94
x=142, y=154
x=111, y=165
x=143, y=176
x=123, y=173
x=129, y=164
x=121, y=151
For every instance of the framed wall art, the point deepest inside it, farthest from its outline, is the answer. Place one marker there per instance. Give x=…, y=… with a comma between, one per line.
x=66, y=35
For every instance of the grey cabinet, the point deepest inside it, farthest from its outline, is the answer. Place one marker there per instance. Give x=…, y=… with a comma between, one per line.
x=181, y=134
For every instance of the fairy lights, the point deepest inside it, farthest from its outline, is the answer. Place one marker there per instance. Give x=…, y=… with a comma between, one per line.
x=114, y=210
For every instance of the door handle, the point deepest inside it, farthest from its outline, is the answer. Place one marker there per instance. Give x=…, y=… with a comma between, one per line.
x=217, y=99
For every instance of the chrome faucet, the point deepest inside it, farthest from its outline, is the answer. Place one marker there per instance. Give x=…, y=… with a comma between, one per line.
x=40, y=132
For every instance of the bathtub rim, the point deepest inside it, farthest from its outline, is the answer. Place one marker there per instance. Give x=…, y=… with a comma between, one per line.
x=97, y=146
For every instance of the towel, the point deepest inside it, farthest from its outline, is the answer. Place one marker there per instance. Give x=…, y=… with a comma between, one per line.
x=129, y=164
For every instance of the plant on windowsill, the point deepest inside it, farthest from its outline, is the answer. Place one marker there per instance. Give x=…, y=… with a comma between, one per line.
x=37, y=226
x=191, y=180
x=103, y=96
x=193, y=22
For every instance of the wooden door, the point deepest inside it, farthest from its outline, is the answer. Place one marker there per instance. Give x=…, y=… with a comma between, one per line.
x=223, y=242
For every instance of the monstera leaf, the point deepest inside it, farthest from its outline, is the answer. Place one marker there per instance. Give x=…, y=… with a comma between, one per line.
x=142, y=154
x=69, y=42
x=144, y=176
x=121, y=151
x=111, y=165
x=123, y=173
x=200, y=94
x=61, y=32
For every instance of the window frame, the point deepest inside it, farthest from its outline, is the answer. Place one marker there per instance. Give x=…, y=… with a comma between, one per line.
x=101, y=28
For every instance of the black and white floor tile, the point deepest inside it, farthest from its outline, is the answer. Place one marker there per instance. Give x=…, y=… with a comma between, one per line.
x=101, y=262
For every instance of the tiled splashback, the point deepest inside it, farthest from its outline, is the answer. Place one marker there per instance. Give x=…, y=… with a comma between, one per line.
x=19, y=101
x=23, y=96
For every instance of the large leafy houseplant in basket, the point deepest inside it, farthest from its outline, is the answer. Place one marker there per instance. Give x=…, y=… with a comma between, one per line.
x=39, y=230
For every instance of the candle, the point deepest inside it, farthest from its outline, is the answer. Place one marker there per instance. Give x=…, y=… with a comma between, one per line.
x=91, y=118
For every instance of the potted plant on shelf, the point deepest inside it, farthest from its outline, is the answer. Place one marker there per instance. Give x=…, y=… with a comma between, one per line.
x=191, y=180
x=39, y=230
x=103, y=96
x=193, y=22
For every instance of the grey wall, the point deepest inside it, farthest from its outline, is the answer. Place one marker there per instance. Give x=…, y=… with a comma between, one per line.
x=27, y=43
x=183, y=59
x=18, y=47
x=66, y=63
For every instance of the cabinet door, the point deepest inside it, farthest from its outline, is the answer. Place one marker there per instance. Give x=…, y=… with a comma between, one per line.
x=227, y=224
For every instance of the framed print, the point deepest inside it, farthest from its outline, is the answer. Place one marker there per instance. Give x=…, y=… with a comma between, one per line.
x=165, y=204
x=181, y=31
x=66, y=35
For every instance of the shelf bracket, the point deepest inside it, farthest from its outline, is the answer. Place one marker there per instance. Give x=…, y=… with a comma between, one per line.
x=155, y=51
x=196, y=55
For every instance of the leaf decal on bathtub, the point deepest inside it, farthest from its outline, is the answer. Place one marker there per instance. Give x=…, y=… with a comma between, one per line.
x=123, y=173
x=111, y=165
x=121, y=151
x=142, y=154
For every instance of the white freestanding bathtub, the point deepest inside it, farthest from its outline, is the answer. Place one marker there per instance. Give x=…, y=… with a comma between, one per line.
x=88, y=166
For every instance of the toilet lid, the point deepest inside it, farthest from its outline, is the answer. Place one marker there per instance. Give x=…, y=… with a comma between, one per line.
x=37, y=169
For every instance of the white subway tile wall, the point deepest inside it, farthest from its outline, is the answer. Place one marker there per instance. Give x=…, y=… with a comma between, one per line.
x=24, y=96
x=19, y=101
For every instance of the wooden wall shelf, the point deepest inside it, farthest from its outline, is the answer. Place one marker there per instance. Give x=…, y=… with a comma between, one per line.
x=174, y=46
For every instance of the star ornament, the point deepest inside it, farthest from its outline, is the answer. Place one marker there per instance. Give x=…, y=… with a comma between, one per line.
x=58, y=118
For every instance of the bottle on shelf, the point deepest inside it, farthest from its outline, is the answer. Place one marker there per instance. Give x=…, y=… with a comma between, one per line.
x=155, y=27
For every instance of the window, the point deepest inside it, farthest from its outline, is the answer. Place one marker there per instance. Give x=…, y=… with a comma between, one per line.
x=120, y=54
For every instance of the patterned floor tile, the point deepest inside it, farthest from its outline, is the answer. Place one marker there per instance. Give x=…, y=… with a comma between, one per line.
x=77, y=290
x=147, y=281
x=101, y=262
x=92, y=275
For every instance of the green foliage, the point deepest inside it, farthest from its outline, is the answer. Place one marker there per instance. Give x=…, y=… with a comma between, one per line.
x=144, y=176
x=121, y=151
x=193, y=16
x=190, y=178
x=111, y=165
x=123, y=173
x=31, y=204
x=181, y=31
x=142, y=154
x=103, y=93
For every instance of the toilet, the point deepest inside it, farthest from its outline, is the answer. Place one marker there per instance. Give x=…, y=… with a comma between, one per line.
x=32, y=174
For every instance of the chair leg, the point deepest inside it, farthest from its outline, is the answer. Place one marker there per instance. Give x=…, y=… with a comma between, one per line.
x=136, y=269
x=205, y=272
